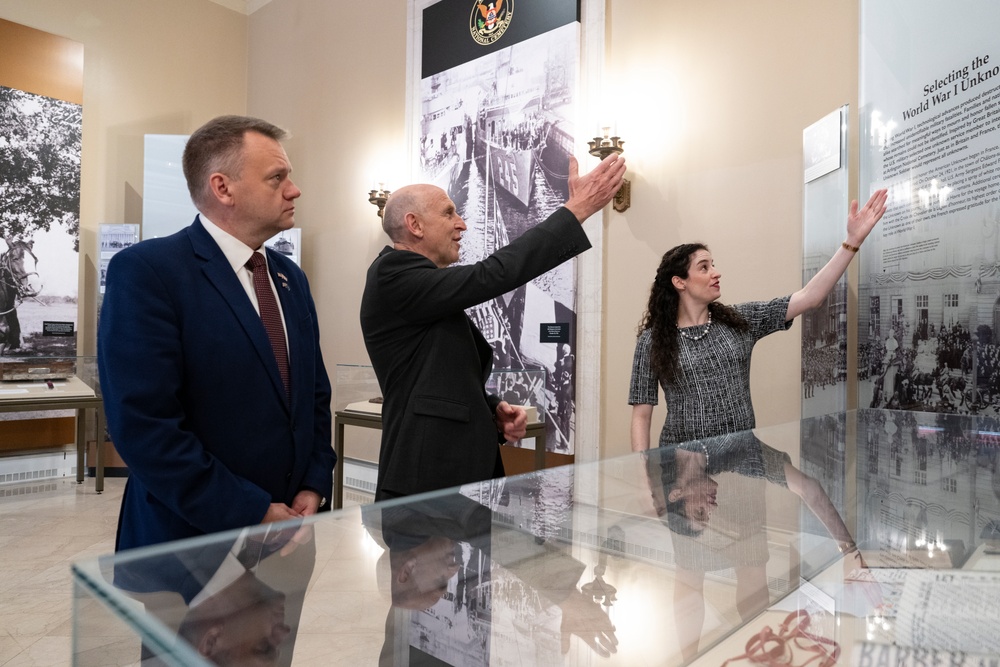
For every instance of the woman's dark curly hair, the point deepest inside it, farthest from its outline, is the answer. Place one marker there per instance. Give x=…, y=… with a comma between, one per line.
x=661, y=312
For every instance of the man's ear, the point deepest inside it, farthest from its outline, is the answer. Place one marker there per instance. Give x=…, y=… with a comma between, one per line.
x=206, y=645
x=406, y=570
x=414, y=226
x=221, y=188
x=674, y=495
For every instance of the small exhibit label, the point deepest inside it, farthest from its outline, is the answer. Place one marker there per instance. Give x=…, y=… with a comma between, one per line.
x=57, y=328
x=554, y=332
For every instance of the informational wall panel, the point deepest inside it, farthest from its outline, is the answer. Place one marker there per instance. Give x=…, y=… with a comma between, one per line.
x=929, y=296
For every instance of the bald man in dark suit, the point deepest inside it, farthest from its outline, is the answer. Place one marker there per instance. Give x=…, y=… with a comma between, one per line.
x=439, y=426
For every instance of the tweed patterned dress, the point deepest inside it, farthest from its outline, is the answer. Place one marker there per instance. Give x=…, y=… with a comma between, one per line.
x=711, y=395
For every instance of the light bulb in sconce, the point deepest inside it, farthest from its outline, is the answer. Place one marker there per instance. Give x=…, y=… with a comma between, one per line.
x=604, y=145
x=377, y=197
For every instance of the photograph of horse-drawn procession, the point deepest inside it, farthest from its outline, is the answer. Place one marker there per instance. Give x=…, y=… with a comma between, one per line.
x=40, y=141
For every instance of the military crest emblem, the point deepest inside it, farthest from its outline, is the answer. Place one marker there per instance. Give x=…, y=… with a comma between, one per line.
x=490, y=20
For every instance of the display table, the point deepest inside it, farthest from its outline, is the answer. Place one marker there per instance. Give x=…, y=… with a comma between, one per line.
x=373, y=420
x=583, y=565
x=69, y=394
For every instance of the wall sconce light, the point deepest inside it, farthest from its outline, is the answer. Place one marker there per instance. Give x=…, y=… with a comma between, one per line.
x=378, y=198
x=601, y=147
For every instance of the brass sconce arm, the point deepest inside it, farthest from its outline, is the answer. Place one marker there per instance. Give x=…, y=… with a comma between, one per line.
x=378, y=197
x=601, y=147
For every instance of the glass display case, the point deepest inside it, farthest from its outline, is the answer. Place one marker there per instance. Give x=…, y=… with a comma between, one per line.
x=356, y=389
x=838, y=539
x=50, y=385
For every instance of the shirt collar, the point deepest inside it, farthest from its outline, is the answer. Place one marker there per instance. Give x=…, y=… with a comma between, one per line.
x=237, y=253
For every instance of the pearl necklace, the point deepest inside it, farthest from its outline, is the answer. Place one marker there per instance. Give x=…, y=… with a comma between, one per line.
x=708, y=325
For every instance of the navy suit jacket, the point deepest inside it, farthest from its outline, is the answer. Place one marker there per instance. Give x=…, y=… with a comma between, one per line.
x=432, y=362
x=194, y=401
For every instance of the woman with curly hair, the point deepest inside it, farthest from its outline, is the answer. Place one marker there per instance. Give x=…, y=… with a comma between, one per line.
x=698, y=350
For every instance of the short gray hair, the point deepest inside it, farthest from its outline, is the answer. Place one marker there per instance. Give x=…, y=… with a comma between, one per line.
x=217, y=146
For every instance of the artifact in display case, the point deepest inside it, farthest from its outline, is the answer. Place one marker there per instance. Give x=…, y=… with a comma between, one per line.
x=51, y=378
x=37, y=368
x=356, y=389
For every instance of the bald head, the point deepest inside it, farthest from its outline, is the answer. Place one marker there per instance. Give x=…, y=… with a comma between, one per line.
x=407, y=199
x=422, y=218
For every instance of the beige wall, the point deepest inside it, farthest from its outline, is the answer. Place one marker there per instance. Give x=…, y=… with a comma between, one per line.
x=149, y=67
x=712, y=98
x=334, y=74
x=716, y=96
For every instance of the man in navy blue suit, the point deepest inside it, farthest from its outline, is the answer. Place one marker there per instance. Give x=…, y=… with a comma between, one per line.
x=196, y=403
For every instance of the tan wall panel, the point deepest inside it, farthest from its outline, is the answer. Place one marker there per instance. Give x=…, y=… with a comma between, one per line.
x=41, y=63
x=19, y=435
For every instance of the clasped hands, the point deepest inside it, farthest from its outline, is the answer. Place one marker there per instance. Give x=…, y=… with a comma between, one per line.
x=305, y=503
x=512, y=421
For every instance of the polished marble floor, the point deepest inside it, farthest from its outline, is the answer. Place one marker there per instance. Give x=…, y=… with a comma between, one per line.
x=44, y=527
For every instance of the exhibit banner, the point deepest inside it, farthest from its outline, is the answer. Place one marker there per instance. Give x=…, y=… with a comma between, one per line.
x=41, y=127
x=497, y=95
x=929, y=291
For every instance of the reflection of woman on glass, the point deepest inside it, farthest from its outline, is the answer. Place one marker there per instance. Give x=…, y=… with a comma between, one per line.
x=699, y=350
x=711, y=495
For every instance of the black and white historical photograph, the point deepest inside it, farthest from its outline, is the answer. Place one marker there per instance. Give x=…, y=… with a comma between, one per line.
x=929, y=290
x=824, y=330
x=496, y=134
x=114, y=238
x=288, y=243
x=928, y=485
x=40, y=140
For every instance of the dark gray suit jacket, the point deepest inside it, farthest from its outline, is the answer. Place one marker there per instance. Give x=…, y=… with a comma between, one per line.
x=432, y=362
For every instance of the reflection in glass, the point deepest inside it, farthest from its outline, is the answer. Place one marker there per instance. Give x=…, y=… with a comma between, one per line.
x=233, y=602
